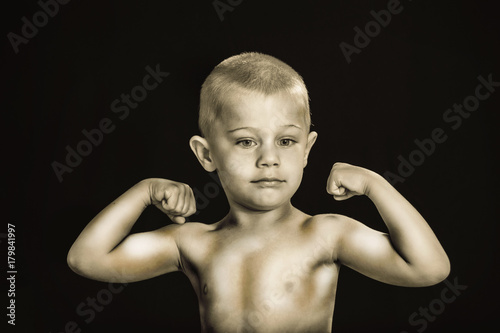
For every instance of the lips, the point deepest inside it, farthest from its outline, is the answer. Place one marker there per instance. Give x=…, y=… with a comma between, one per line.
x=268, y=181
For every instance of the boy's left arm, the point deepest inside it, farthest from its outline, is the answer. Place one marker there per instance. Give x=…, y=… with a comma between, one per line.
x=410, y=255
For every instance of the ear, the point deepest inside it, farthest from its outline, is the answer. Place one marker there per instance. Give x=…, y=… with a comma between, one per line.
x=311, y=139
x=201, y=149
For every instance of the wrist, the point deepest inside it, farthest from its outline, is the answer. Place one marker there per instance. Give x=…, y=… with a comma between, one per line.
x=145, y=190
x=374, y=182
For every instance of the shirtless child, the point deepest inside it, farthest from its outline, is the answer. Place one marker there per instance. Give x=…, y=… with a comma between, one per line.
x=266, y=266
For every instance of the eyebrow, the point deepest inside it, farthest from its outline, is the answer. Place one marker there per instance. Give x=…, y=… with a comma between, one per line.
x=253, y=128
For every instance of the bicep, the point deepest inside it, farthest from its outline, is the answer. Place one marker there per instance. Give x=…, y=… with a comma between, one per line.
x=371, y=253
x=142, y=256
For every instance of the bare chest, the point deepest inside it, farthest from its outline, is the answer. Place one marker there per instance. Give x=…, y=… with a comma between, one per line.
x=264, y=276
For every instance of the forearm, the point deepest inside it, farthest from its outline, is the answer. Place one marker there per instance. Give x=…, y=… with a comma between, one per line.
x=111, y=225
x=409, y=233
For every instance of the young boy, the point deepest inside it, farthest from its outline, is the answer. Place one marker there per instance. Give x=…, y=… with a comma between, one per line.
x=265, y=266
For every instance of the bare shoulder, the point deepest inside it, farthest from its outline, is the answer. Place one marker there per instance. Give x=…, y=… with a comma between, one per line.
x=338, y=226
x=186, y=236
x=186, y=231
x=194, y=238
x=329, y=229
x=331, y=222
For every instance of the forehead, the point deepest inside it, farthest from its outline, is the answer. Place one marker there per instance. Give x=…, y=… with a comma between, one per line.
x=245, y=108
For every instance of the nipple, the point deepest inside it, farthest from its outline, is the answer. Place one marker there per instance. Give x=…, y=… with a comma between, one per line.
x=289, y=286
x=205, y=289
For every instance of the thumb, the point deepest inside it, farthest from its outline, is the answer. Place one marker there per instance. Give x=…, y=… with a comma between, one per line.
x=333, y=188
x=343, y=197
x=177, y=219
x=339, y=191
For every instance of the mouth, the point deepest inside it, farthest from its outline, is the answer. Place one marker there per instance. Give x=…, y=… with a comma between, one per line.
x=268, y=181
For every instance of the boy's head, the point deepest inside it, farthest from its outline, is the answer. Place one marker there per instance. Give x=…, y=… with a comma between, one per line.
x=248, y=72
x=254, y=115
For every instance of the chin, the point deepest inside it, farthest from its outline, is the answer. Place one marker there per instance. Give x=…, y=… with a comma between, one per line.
x=265, y=205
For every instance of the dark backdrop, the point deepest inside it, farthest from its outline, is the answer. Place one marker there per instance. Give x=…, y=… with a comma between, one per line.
x=368, y=112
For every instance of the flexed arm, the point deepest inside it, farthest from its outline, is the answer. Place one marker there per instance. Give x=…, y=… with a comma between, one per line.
x=410, y=255
x=105, y=251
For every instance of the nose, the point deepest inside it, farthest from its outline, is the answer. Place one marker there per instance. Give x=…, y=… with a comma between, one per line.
x=268, y=157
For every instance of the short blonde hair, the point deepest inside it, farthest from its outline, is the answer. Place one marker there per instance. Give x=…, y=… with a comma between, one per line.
x=251, y=71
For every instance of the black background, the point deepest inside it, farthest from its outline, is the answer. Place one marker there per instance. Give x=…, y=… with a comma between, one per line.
x=367, y=113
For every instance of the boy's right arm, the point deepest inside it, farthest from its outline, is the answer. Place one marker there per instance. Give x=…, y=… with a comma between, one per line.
x=105, y=251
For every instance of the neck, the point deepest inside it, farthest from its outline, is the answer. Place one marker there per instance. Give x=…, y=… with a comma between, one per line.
x=249, y=218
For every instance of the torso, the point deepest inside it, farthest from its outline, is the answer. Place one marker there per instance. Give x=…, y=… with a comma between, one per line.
x=282, y=279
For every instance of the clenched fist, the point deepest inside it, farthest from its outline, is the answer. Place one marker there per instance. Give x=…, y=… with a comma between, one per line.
x=173, y=198
x=346, y=181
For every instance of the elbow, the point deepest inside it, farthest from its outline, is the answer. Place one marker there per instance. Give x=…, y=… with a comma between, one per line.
x=75, y=262
x=437, y=276
x=72, y=261
x=87, y=266
x=444, y=271
x=435, y=273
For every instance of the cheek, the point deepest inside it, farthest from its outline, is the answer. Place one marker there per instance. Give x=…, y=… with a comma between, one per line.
x=231, y=168
x=295, y=158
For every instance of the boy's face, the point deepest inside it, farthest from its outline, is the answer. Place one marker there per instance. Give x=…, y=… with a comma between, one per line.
x=259, y=147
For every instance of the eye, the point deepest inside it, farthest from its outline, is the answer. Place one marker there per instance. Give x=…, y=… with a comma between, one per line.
x=246, y=143
x=286, y=142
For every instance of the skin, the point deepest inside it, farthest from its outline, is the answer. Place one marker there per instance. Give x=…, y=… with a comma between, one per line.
x=266, y=266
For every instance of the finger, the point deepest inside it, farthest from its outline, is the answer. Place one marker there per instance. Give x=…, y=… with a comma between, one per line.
x=335, y=189
x=160, y=207
x=180, y=200
x=177, y=219
x=339, y=191
x=331, y=184
x=172, y=217
x=341, y=197
x=344, y=196
x=185, y=202
x=172, y=197
x=192, y=203
x=165, y=207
